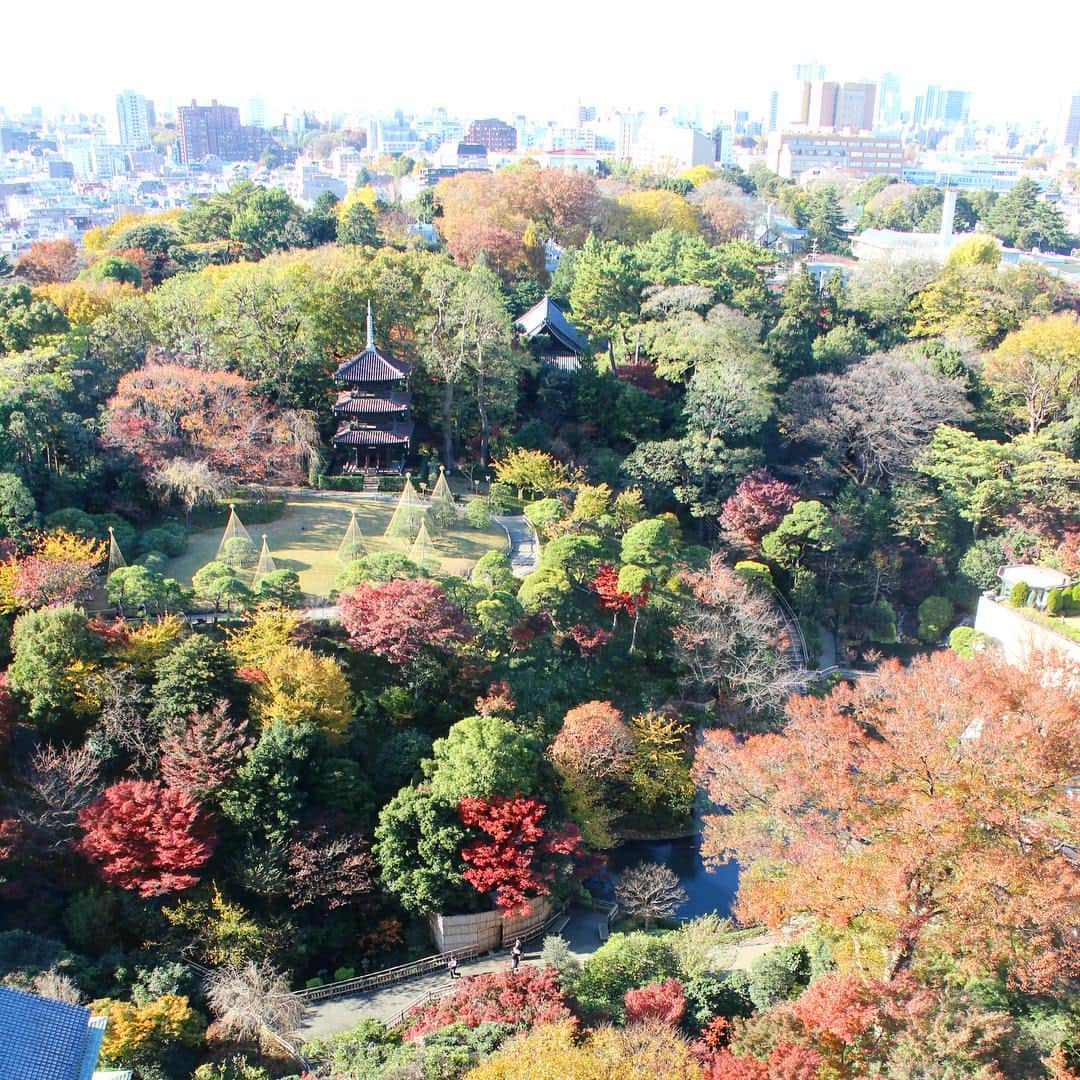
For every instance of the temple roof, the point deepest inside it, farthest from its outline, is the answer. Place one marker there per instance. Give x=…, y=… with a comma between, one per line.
x=372, y=365
x=350, y=403
x=354, y=434
x=545, y=316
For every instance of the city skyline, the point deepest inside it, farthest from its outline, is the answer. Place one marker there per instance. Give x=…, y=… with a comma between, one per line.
x=500, y=61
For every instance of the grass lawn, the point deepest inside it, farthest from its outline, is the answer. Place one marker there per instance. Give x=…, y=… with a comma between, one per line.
x=307, y=536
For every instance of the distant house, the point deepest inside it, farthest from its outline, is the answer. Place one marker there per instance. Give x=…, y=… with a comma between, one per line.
x=373, y=410
x=554, y=339
x=43, y=1039
x=1039, y=580
x=775, y=232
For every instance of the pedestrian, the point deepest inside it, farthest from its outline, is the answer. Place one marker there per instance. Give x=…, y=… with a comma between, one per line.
x=515, y=955
x=451, y=965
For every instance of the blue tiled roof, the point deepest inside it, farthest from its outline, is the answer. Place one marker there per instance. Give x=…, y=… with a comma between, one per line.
x=546, y=316
x=43, y=1039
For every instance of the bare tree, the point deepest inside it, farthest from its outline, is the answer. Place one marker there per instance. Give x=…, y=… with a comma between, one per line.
x=733, y=639
x=255, y=1001
x=52, y=984
x=123, y=723
x=649, y=891
x=191, y=483
x=870, y=420
x=61, y=782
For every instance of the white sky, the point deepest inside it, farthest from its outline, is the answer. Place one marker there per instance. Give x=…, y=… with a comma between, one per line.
x=486, y=57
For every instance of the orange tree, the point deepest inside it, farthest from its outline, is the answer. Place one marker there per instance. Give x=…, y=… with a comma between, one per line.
x=926, y=807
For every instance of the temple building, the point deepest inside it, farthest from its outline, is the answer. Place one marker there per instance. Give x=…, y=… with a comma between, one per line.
x=554, y=339
x=372, y=408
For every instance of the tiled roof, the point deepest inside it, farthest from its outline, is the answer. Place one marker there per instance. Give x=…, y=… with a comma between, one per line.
x=372, y=365
x=368, y=435
x=350, y=404
x=546, y=315
x=43, y=1039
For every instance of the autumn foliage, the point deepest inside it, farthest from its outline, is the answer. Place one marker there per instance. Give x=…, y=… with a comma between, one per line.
x=524, y=998
x=520, y=858
x=657, y=1003
x=594, y=741
x=165, y=411
x=756, y=507
x=399, y=618
x=59, y=569
x=928, y=804
x=145, y=836
x=605, y=584
x=200, y=759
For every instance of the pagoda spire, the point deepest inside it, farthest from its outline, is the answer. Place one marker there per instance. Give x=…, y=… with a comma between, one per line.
x=370, y=327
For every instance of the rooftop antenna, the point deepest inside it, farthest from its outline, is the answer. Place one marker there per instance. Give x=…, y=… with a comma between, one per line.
x=370, y=327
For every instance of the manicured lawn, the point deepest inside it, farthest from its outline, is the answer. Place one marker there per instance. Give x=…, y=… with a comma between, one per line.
x=307, y=536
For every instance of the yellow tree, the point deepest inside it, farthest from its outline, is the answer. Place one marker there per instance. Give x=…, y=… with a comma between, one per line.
x=138, y=1033
x=533, y=470
x=1035, y=371
x=648, y=212
x=270, y=631
x=301, y=686
x=661, y=769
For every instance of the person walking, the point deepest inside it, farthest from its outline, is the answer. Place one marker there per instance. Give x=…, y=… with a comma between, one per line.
x=515, y=955
x=451, y=966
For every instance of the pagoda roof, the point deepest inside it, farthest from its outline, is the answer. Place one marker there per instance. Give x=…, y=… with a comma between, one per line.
x=546, y=317
x=371, y=365
x=369, y=435
x=351, y=403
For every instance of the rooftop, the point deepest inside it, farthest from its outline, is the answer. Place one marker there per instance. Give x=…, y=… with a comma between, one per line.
x=546, y=316
x=43, y=1039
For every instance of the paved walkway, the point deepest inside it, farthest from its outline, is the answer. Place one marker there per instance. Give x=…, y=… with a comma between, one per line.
x=524, y=543
x=339, y=1014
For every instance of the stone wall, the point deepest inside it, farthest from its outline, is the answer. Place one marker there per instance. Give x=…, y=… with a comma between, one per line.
x=1019, y=637
x=486, y=929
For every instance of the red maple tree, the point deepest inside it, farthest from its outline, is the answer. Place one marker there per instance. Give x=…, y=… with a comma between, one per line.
x=145, y=836
x=605, y=583
x=397, y=619
x=524, y=998
x=657, y=1003
x=755, y=508
x=200, y=759
x=520, y=859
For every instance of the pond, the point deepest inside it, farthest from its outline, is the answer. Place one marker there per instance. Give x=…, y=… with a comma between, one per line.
x=707, y=890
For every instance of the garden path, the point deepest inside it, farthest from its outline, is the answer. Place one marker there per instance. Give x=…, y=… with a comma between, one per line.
x=339, y=1014
x=524, y=544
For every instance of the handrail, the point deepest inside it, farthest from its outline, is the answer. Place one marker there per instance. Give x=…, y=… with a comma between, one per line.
x=793, y=625
x=386, y=976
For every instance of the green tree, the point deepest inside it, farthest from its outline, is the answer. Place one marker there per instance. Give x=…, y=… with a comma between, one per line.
x=139, y=589
x=281, y=587
x=112, y=268
x=482, y=756
x=18, y=511
x=417, y=841
x=807, y=527
x=356, y=225
x=823, y=219
x=49, y=647
x=193, y=678
x=219, y=584
x=975, y=251
x=606, y=285
x=935, y=617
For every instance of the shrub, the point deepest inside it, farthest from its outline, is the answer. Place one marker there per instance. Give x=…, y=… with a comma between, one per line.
x=170, y=538
x=154, y=561
x=755, y=573
x=779, y=974
x=935, y=614
x=312, y=983
x=1020, y=594
x=544, y=513
x=556, y=953
x=662, y=1003
x=967, y=641
x=343, y=973
x=238, y=551
x=1057, y=600
x=623, y=962
x=478, y=513
x=503, y=499
x=523, y=998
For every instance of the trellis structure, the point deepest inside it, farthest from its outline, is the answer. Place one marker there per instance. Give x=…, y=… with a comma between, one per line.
x=116, y=556
x=408, y=514
x=422, y=547
x=234, y=528
x=266, y=563
x=352, y=544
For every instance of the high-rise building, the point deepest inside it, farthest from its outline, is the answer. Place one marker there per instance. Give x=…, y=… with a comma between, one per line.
x=888, y=100
x=942, y=108
x=1071, y=134
x=255, y=114
x=774, y=110
x=134, y=120
x=496, y=136
x=216, y=130
x=840, y=105
x=810, y=72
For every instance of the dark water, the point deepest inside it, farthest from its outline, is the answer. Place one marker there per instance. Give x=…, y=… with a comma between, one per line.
x=707, y=890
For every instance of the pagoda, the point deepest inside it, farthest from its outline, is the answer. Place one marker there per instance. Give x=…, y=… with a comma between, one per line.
x=372, y=409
